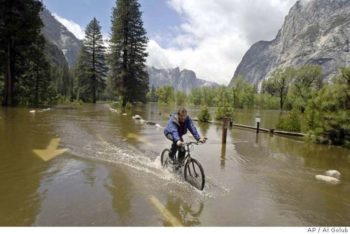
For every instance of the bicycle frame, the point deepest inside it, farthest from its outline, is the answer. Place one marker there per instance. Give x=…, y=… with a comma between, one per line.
x=188, y=152
x=189, y=174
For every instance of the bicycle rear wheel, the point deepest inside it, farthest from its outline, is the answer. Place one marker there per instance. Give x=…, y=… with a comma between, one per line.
x=164, y=158
x=194, y=173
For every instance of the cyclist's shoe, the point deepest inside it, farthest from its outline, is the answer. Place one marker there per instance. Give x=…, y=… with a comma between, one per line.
x=171, y=159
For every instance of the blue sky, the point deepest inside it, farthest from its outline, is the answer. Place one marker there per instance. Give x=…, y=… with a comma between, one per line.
x=209, y=37
x=158, y=16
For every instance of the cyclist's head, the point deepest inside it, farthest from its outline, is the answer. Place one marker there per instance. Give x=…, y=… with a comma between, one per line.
x=182, y=114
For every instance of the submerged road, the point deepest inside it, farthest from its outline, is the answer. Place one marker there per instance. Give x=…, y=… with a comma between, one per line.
x=93, y=166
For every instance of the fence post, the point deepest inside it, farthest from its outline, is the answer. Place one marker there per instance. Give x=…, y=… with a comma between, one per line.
x=257, y=120
x=225, y=124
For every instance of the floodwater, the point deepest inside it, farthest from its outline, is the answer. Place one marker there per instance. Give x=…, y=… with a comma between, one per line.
x=111, y=175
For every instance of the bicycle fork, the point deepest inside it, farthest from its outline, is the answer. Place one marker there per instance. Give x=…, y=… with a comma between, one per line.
x=194, y=169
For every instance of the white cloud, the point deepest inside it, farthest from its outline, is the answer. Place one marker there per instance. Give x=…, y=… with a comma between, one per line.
x=73, y=27
x=106, y=39
x=216, y=34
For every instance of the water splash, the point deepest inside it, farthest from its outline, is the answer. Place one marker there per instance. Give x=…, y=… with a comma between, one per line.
x=135, y=159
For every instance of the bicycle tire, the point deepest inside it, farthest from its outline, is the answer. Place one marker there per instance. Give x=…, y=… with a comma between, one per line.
x=190, y=172
x=164, y=158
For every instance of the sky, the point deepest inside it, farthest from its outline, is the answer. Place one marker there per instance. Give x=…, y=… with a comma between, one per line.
x=209, y=37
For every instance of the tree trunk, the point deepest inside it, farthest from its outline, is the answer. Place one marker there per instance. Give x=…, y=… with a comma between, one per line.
x=8, y=97
x=94, y=78
x=78, y=94
x=36, y=101
x=94, y=88
x=124, y=102
x=281, y=100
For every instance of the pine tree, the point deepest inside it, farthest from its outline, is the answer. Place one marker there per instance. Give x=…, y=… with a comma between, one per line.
x=35, y=84
x=91, y=68
x=20, y=28
x=128, y=45
x=82, y=74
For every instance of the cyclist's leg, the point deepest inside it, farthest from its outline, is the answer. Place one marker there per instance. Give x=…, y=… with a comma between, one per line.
x=182, y=152
x=173, y=148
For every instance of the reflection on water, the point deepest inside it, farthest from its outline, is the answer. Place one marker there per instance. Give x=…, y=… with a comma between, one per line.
x=107, y=178
x=187, y=213
x=269, y=118
x=203, y=127
x=20, y=169
x=119, y=187
x=287, y=166
x=223, y=156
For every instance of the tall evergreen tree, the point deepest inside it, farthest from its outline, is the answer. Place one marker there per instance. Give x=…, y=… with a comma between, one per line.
x=128, y=45
x=20, y=29
x=35, y=84
x=91, y=68
x=82, y=87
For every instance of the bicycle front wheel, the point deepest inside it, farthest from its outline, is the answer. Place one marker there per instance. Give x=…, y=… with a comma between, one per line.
x=164, y=159
x=194, y=173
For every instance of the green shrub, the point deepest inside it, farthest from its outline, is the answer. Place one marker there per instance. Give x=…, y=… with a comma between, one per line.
x=63, y=100
x=204, y=115
x=267, y=101
x=116, y=105
x=290, y=122
x=180, y=98
x=327, y=114
x=223, y=112
x=128, y=106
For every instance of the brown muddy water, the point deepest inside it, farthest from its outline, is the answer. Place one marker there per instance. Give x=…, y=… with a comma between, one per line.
x=111, y=175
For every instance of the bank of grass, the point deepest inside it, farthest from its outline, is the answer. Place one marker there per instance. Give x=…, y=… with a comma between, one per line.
x=68, y=103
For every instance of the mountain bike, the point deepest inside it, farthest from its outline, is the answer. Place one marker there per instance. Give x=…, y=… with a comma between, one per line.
x=193, y=170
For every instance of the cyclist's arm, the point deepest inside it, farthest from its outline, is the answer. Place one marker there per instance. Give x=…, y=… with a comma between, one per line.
x=193, y=129
x=172, y=128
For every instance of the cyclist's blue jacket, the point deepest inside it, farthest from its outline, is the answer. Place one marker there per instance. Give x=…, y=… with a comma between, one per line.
x=174, y=128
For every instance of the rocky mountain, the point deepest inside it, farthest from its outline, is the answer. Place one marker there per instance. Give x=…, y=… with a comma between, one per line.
x=314, y=32
x=55, y=55
x=59, y=35
x=181, y=80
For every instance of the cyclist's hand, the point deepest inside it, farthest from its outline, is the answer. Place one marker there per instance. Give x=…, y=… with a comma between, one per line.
x=180, y=143
x=202, y=140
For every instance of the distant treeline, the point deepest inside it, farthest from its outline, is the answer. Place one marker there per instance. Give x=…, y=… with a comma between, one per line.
x=30, y=74
x=308, y=103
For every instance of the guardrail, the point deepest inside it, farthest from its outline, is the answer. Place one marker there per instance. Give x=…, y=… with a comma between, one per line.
x=266, y=130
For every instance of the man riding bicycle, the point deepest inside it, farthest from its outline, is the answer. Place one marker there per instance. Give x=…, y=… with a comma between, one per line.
x=177, y=126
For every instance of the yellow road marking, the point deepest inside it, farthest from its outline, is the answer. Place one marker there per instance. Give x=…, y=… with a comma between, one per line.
x=166, y=214
x=139, y=138
x=51, y=151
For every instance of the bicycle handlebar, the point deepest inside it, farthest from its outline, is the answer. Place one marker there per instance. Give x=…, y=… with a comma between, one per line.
x=195, y=142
